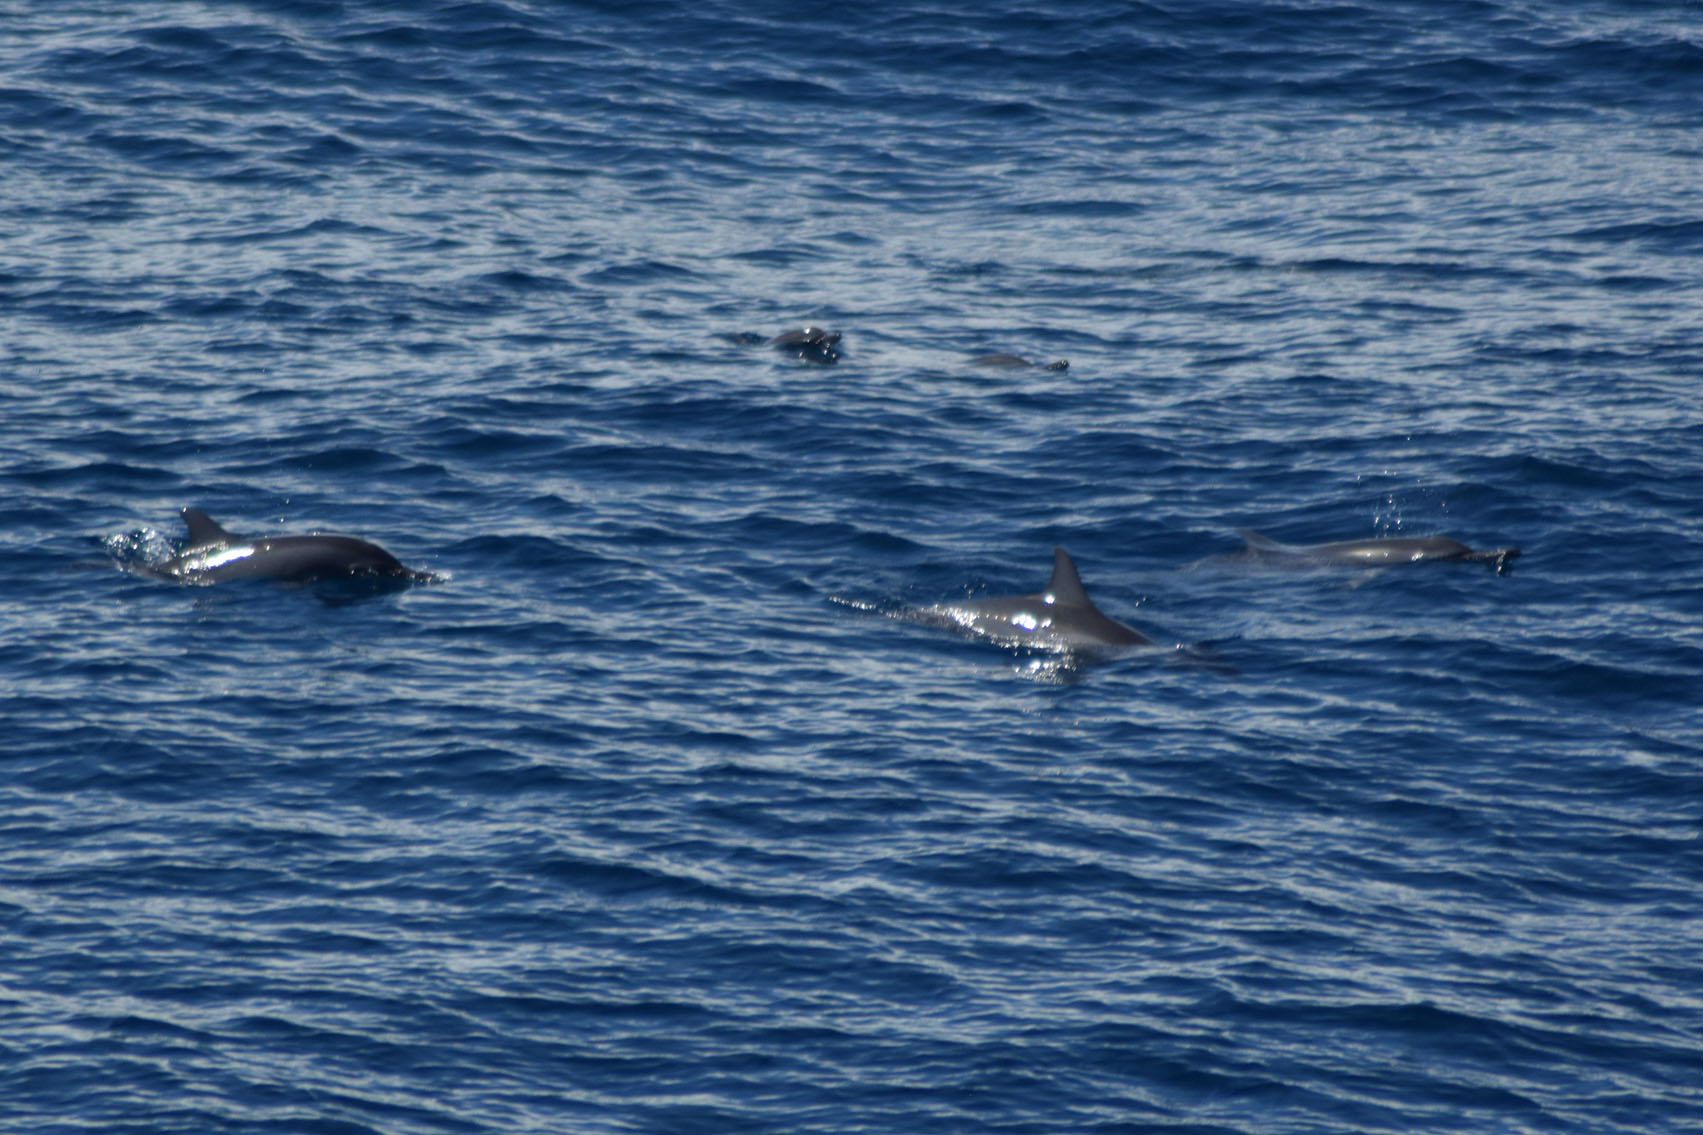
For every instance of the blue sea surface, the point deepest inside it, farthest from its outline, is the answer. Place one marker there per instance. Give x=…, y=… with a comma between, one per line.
x=647, y=817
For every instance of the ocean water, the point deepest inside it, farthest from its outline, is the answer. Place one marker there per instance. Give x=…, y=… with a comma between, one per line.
x=647, y=818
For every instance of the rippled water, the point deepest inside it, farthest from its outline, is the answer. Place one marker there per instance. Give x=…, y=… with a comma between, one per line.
x=646, y=817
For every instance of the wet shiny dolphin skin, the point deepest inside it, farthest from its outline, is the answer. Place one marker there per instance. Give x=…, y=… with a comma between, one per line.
x=1060, y=618
x=1377, y=552
x=214, y=555
x=812, y=344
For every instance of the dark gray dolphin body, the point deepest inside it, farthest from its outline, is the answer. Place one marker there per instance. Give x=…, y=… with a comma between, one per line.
x=1385, y=552
x=812, y=344
x=1016, y=362
x=214, y=555
x=1061, y=618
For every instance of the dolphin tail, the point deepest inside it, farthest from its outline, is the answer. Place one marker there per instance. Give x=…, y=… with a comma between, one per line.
x=1499, y=559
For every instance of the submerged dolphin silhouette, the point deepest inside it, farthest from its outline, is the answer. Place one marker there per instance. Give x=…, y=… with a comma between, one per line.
x=1016, y=362
x=1061, y=618
x=214, y=555
x=1383, y=552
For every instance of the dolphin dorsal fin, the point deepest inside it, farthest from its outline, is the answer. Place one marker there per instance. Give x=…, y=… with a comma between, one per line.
x=1065, y=588
x=203, y=529
x=1254, y=540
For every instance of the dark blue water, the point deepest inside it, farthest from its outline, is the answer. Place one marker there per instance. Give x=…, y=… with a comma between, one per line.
x=645, y=819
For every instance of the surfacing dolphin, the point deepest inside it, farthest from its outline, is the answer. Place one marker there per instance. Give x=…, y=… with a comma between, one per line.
x=811, y=344
x=1060, y=618
x=214, y=555
x=1377, y=552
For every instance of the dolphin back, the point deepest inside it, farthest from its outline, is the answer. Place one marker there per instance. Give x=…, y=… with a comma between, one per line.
x=1381, y=551
x=214, y=555
x=204, y=531
x=1065, y=588
x=309, y=558
x=1061, y=618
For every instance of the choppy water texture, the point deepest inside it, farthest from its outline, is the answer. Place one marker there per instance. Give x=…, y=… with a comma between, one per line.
x=646, y=819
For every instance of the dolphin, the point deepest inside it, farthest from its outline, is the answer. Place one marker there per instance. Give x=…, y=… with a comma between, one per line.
x=1384, y=552
x=811, y=344
x=1060, y=618
x=214, y=555
x=1016, y=362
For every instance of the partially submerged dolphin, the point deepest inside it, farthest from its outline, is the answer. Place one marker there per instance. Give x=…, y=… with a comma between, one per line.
x=1016, y=362
x=812, y=344
x=214, y=555
x=1060, y=618
x=1377, y=552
